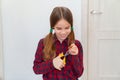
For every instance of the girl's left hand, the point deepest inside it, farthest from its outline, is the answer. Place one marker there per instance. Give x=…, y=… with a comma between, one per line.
x=73, y=49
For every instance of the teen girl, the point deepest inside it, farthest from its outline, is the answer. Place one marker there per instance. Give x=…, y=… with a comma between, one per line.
x=48, y=58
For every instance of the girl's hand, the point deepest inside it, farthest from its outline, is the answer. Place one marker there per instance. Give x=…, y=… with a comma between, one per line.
x=73, y=49
x=58, y=63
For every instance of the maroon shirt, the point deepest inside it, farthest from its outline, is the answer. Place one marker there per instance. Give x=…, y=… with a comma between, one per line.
x=72, y=70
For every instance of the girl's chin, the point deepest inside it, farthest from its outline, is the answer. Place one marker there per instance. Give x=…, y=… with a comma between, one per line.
x=63, y=38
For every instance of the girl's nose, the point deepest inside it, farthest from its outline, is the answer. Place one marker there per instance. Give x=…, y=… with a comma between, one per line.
x=63, y=31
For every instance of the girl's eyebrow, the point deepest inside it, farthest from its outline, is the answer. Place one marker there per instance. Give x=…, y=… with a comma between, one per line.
x=67, y=26
x=58, y=27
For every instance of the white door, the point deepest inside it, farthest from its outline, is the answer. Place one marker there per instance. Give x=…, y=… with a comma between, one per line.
x=104, y=40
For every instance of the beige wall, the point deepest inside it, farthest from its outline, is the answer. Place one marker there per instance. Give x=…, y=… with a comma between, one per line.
x=1, y=57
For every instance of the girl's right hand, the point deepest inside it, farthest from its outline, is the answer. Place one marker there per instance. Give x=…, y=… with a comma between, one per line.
x=58, y=63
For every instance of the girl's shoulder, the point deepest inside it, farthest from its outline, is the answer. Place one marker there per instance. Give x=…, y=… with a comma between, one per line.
x=40, y=43
x=77, y=42
x=41, y=40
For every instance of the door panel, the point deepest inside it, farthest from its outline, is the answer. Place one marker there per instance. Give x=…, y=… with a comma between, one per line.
x=104, y=40
x=110, y=20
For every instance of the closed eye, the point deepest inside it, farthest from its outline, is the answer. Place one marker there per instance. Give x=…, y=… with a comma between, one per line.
x=58, y=28
x=67, y=28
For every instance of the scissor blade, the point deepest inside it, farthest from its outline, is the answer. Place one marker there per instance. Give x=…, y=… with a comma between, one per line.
x=66, y=54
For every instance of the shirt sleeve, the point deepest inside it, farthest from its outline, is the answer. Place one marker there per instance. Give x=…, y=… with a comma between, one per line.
x=40, y=66
x=77, y=61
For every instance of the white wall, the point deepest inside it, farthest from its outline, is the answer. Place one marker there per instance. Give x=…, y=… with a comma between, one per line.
x=24, y=23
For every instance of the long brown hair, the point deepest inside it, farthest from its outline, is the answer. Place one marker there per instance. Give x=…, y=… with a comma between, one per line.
x=57, y=14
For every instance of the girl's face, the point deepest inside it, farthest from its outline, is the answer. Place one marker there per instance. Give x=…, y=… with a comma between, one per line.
x=62, y=29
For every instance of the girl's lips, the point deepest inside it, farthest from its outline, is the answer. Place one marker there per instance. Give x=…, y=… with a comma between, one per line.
x=63, y=36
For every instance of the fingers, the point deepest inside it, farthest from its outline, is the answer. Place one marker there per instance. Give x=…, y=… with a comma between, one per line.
x=71, y=46
x=73, y=49
x=58, y=63
x=61, y=66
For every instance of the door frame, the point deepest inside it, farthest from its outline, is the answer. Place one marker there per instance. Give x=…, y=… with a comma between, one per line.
x=84, y=32
x=1, y=46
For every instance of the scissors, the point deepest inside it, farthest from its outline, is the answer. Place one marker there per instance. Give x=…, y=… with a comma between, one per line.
x=63, y=56
x=66, y=54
